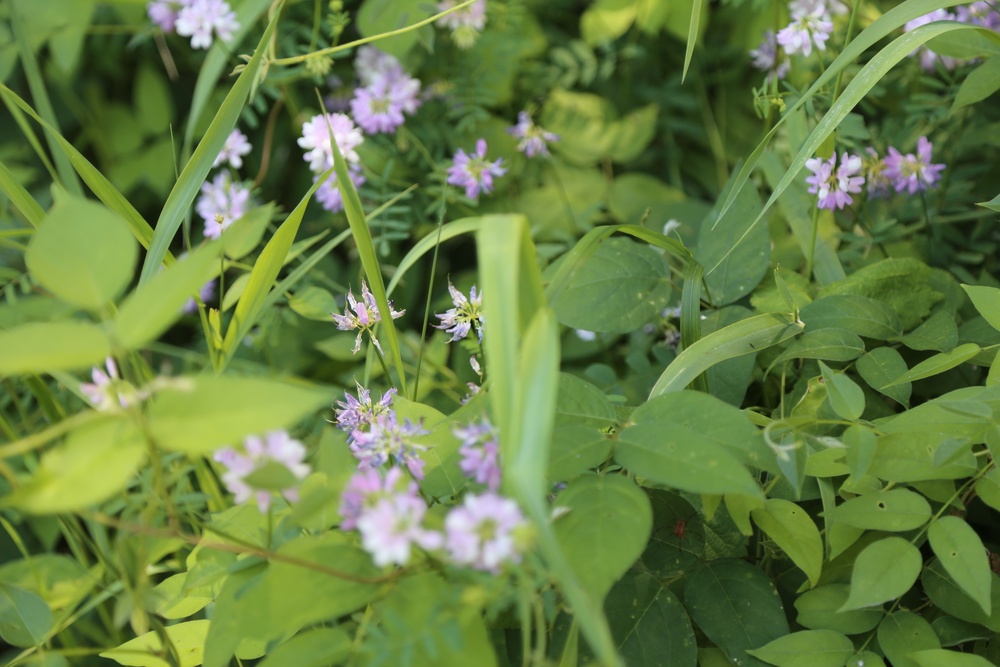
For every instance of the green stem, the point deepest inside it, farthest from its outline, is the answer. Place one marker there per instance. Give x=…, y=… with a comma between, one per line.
x=430, y=292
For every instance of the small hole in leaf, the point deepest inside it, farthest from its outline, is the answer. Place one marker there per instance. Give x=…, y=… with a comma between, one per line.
x=881, y=505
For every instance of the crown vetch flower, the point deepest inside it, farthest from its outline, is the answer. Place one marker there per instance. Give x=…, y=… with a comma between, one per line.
x=198, y=19
x=474, y=172
x=222, y=202
x=328, y=194
x=466, y=314
x=164, y=12
x=465, y=24
x=533, y=139
x=910, y=172
x=805, y=30
x=108, y=391
x=765, y=57
x=276, y=447
x=388, y=439
x=390, y=529
x=233, y=151
x=367, y=487
x=873, y=169
x=480, y=532
x=362, y=315
x=315, y=139
x=480, y=453
x=833, y=185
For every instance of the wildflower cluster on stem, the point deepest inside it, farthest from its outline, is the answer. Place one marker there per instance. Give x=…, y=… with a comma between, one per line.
x=375, y=434
x=533, y=139
x=388, y=93
x=480, y=452
x=197, y=19
x=466, y=23
x=474, y=172
x=810, y=27
x=833, y=185
x=318, y=133
x=363, y=315
x=466, y=315
x=107, y=391
x=225, y=199
x=278, y=462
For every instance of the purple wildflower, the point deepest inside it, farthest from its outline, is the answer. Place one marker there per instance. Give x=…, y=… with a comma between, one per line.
x=805, y=30
x=315, y=139
x=466, y=314
x=197, y=19
x=366, y=488
x=233, y=151
x=910, y=172
x=372, y=64
x=359, y=413
x=834, y=188
x=364, y=317
x=328, y=194
x=533, y=139
x=164, y=13
x=800, y=7
x=390, y=528
x=275, y=447
x=873, y=169
x=206, y=293
x=386, y=439
x=979, y=13
x=474, y=172
x=465, y=24
x=765, y=57
x=222, y=202
x=481, y=533
x=108, y=391
x=480, y=452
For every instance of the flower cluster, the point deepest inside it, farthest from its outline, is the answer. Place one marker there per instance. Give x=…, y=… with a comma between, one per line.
x=467, y=314
x=223, y=201
x=318, y=135
x=362, y=315
x=376, y=435
x=533, y=139
x=833, y=185
x=465, y=24
x=474, y=172
x=274, y=463
x=108, y=391
x=810, y=27
x=977, y=13
x=387, y=93
x=196, y=19
x=480, y=452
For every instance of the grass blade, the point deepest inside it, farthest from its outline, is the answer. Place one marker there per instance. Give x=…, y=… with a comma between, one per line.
x=21, y=198
x=426, y=244
x=692, y=36
x=196, y=170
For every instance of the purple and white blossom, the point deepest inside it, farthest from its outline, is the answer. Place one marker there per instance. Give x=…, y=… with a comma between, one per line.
x=808, y=28
x=927, y=57
x=276, y=447
x=466, y=314
x=979, y=13
x=316, y=133
x=482, y=532
x=164, y=13
x=366, y=488
x=198, y=19
x=391, y=528
x=474, y=172
x=834, y=185
x=480, y=453
x=766, y=57
x=107, y=391
x=800, y=7
x=873, y=170
x=362, y=315
x=380, y=106
x=358, y=414
x=372, y=64
x=222, y=202
x=233, y=151
x=388, y=439
x=910, y=172
x=465, y=24
x=533, y=139
x=328, y=194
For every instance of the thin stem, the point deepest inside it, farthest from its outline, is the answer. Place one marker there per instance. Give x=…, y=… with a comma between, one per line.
x=812, y=242
x=430, y=292
x=847, y=40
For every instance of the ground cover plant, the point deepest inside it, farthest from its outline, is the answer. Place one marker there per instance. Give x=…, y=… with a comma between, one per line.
x=499, y=332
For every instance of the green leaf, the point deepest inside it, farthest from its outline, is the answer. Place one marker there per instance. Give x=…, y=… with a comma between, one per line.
x=818, y=609
x=946, y=595
x=379, y=16
x=908, y=456
x=993, y=204
x=794, y=532
x=144, y=651
x=692, y=38
x=963, y=556
x=241, y=237
x=987, y=302
x=83, y=253
x=744, y=337
x=939, y=657
x=580, y=402
x=862, y=444
x=939, y=363
x=318, y=647
x=859, y=314
x=620, y=287
x=904, y=285
x=313, y=303
x=739, y=256
x=937, y=333
x=883, y=571
x=902, y=633
x=607, y=20
x=880, y=368
x=578, y=443
x=605, y=530
x=96, y=462
x=25, y=619
x=826, y=344
x=152, y=308
x=58, y=579
x=896, y=510
x=816, y=648
x=736, y=606
x=845, y=396
x=988, y=488
x=200, y=414
x=979, y=84
x=50, y=346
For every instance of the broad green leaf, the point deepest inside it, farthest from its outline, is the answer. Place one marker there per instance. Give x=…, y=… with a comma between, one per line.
x=318, y=647
x=575, y=449
x=83, y=253
x=963, y=556
x=861, y=315
x=745, y=337
x=880, y=368
x=50, y=346
x=993, y=204
x=698, y=467
x=883, y=571
x=58, y=579
x=736, y=606
x=816, y=648
x=953, y=631
x=152, y=308
x=896, y=510
x=908, y=456
x=144, y=651
x=580, y=402
x=845, y=396
x=818, y=609
x=902, y=633
x=947, y=596
x=739, y=256
x=987, y=302
x=939, y=363
x=904, y=285
x=677, y=544
x=314, y=303
x=605, y=530
x=728, y=380
x=96, y=462
x=200, y=414
x=826, y=344
x=241, y=237
x=939, y=657
x=938, y=333
x=794, y=532
x=979, y=84
x=25, y=619
x=988, y=488
x=620, y=287
x=607, y=20
x=861, y=443
x=636, y=192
